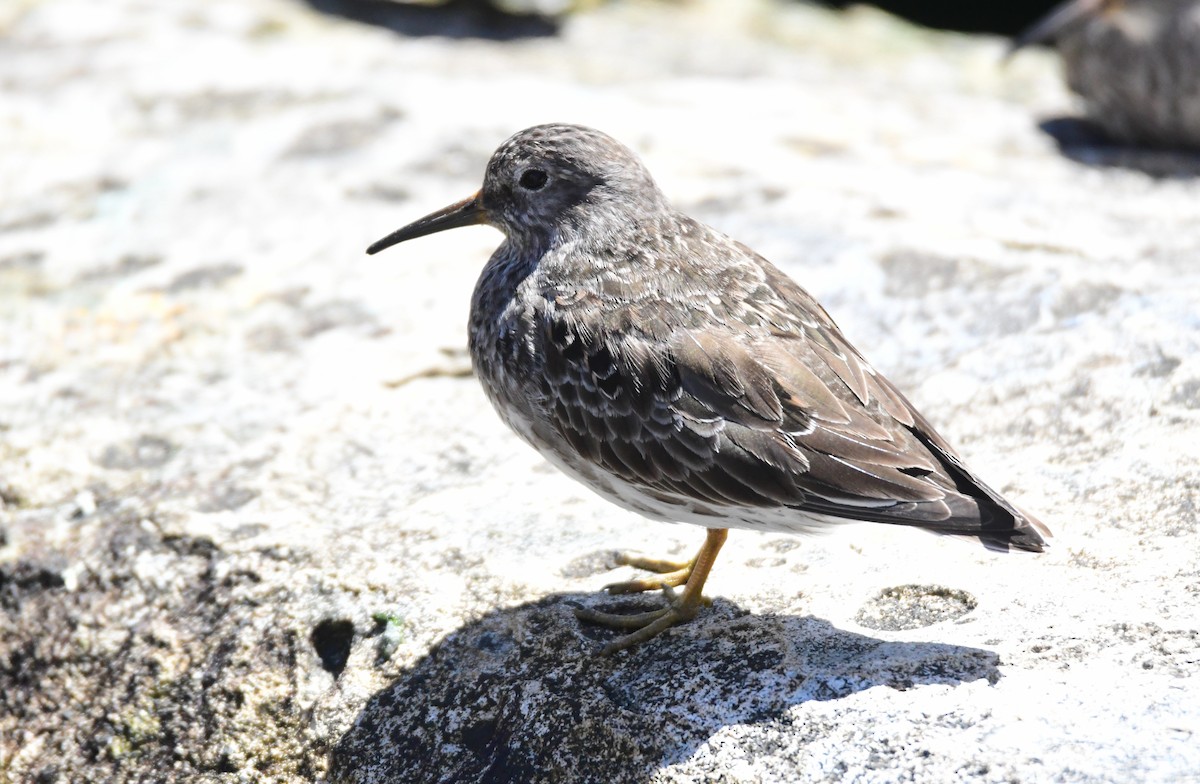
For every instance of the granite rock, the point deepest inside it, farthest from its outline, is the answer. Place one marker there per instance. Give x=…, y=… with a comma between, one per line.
x=257, y=523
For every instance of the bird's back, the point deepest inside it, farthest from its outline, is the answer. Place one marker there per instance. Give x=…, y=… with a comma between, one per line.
x=680, y=374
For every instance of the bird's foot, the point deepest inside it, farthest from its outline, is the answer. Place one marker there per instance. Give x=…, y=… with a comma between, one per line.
x=680, y=607
x=669, y=574
x=647, y=624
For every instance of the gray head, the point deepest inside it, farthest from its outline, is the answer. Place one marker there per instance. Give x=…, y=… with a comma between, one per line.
x=547, y=181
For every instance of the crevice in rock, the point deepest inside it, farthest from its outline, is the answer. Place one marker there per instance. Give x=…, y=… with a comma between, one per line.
x=332, y=640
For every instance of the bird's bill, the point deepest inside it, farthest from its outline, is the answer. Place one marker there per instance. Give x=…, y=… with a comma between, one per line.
x=1060, y=19
x=467, y=212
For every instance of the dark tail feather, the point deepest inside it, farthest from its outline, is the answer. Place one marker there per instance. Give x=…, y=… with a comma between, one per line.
x=1024, y=532
x=1002, y=526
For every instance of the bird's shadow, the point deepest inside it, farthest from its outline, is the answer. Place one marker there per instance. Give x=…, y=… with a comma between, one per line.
x=520, y=695
x=1084, y=142
x=454, y=19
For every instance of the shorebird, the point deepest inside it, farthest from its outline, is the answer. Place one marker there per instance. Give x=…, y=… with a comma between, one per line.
x=679, y=374
x=1136, y=64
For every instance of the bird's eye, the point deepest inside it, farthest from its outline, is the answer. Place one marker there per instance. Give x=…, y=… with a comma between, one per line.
x=533, y=179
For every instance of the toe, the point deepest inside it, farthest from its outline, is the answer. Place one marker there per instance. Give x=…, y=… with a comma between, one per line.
x=618, y=621
x=659, y=565
x=668, y=580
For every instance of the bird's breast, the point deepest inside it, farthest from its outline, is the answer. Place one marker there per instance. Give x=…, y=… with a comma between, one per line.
x=501, y=334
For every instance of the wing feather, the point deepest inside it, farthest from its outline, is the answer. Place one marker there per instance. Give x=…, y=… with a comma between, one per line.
x=774, y=411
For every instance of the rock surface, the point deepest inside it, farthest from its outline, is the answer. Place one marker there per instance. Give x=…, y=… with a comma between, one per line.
x=259, y=524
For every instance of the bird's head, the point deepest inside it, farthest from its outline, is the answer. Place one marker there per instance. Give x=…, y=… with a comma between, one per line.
x=545, y=182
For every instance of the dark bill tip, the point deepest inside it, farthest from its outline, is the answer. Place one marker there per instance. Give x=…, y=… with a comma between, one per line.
x=1058, y=21
x=467, y=212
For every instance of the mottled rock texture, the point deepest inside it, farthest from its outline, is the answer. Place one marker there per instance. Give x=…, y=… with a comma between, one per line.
x=257, y=523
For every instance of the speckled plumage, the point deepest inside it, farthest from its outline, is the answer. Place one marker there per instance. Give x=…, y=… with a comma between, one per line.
x=1136, y=63
x=679, y=374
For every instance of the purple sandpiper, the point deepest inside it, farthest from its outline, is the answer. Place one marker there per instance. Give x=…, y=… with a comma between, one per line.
x=1136, y=63
x=679, y=374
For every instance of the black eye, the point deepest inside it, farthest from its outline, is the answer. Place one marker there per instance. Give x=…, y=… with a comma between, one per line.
x=533, y=179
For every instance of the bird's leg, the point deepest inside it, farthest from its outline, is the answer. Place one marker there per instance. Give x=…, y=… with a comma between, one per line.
x=680, y=607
